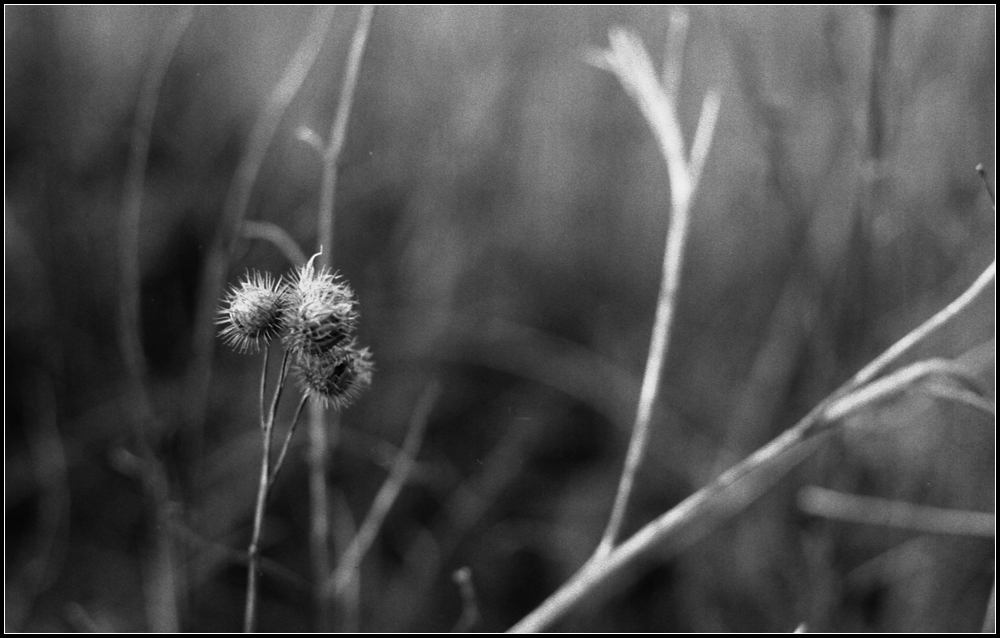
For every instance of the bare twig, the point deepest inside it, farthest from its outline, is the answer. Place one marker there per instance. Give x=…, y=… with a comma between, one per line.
x=338, y=132
x=235, y=208
x=868, y=510
x=470, y=608
x=350, y=562
x=278, y=237
x=887, y=386
x=319, y=437
x=288, y=439
x=267, y=431
x=742, y=484
x=628, y=60
x=673, y=53
x=924, y=330
x=703, y=134
x=960, y=395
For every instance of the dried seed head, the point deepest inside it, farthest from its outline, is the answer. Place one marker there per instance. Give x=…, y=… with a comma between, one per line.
x=252, y=311
x=336, y=378
x=321, y=313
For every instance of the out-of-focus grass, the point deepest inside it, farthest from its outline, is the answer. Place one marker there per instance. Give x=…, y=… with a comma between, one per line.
x=501, y=215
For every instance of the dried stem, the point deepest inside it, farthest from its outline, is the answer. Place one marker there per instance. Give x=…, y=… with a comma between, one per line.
x=319, y=439
x=868, y=510
x=742, y=484
x=350, y=561
x=288, y=439
x=263, y=487
x=278, y=237
x=470, y=607
x=338, y=133
x=673, y=53
x=235, y=208
x=628, y=60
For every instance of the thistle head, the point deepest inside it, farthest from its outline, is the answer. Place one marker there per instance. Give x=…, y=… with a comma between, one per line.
x=320, y=314
x=337, y=377
x=252, y=311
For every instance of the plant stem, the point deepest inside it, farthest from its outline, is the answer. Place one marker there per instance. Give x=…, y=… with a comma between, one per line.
x=869, y=510
x=263, y=487
x=338, y=134
x=235, y=207
x=277, y=236
x=288, y=440
x=350, y=561
x=630, y=63
x=319, y=440
x=742, y=484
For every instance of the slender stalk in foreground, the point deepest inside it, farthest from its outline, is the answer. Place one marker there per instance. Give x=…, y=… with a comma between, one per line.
x=263, y=487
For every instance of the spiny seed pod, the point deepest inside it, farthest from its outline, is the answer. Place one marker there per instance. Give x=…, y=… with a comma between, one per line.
x=321, y=313
x=336, y=379
x=253, y=311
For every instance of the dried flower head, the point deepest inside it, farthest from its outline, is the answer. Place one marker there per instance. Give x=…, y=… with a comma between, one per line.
x=336, y=378
x=252, y=311
x=321, y=313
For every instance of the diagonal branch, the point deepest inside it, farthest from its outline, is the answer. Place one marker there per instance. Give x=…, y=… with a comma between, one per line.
x=742, y=484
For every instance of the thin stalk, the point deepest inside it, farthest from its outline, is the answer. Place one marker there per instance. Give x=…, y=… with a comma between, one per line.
x=319, y=439
x=263, y=486
x=338, y=133
x=470, y=606
x=742, y=484
x=870, y=510
x=628, y=60
x=278, y=237
x=350, y=562
x=235, y=206
x=288, y=439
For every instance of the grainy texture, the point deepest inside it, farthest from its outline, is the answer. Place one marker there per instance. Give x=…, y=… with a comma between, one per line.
x=501, y=216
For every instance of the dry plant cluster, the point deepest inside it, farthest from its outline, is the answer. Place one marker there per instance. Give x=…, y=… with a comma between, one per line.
x=313, y=316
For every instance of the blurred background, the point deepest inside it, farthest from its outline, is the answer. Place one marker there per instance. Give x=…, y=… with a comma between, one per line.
x=501, y=214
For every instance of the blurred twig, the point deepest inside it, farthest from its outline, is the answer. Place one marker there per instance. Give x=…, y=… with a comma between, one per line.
x=470, y=608
x=869, y=510
x=745, y=482
x=629, y=62
x=350, y=561
x=673, y=53
x=235, y=208
x=338, y=133
x=278, y=237
x=319, y=438
x=960, y=395
x=161, y=603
